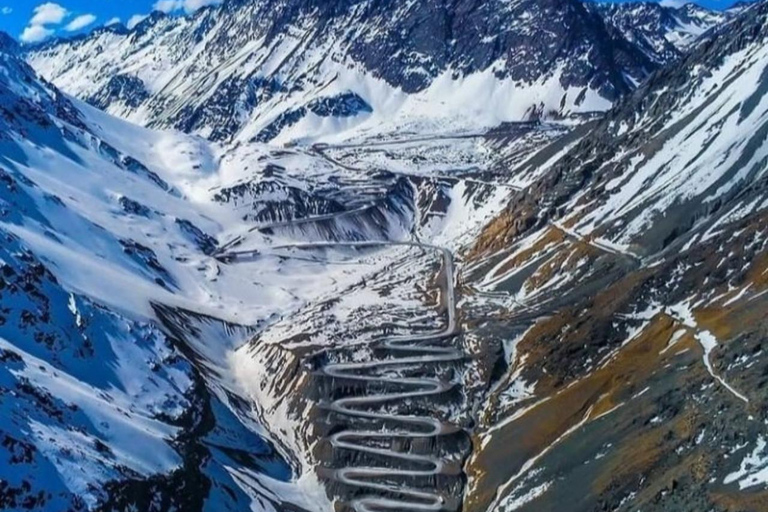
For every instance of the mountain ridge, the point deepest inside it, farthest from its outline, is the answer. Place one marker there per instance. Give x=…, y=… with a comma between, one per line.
x=451, y=53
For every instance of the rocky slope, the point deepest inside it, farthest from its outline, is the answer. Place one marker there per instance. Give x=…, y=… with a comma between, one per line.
x=632, y=273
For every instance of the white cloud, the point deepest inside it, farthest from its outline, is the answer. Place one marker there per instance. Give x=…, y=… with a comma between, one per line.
x=44, y=15
x=48, y=13
x=6, y=10
x=189, y=6
x=80, y=22
x=675, y=4
x=36, y=33
x=135, y=20
x=167, y=5
x=113, y=21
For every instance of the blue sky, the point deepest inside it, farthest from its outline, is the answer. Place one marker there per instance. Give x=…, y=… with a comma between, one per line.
x=36, y=20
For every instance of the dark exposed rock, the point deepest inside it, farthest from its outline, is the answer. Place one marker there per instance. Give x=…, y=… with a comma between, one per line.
x=206, y=243
x=122, y=90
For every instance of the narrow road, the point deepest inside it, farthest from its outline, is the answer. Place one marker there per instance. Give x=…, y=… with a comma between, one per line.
x=598, y=244
x=386, y=487
x=422, y=350
x=321, y=150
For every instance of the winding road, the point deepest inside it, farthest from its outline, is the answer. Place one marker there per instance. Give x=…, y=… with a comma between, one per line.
x=417, y=350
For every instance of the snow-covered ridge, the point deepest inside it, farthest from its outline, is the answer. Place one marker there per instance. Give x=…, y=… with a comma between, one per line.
x=103, y=222
x=251, y=70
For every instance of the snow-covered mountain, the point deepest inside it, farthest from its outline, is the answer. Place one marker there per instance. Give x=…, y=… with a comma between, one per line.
x=127, y=380
x=107, y=282
x=356, y=256
x=295, y=69
x=662, y=32
x=682, y=148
